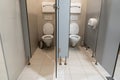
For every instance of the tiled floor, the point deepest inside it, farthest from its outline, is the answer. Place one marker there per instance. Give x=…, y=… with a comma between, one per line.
x=42, y=66
x=80, y=66
x=117, y=71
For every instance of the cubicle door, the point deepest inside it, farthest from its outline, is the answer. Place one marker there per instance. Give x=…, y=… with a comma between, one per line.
x=109, y=35
x=63, y=26
x=25, y=28
x=62, y=29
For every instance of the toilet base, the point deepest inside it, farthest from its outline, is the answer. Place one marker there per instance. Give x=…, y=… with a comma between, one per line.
x=73, y=44
x=47, y=45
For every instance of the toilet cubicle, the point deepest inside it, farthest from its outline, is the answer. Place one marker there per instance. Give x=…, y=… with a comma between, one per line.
x=63, y=28
x=109, y=36
x=63, y=21
x=92, y=23
x=25, y=29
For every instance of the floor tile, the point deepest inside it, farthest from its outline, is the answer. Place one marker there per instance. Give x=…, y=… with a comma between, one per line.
x=79, y=66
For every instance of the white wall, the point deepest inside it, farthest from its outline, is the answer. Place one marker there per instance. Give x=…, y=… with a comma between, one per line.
x=33, y=23
x=3, y=73
x=11, y=32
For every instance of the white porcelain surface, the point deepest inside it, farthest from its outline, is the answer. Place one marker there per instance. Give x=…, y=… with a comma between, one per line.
x=47, y=39
x=76, y=9
x=47, y=7
x=74, y=39
x=48, y=29
x=74, y=29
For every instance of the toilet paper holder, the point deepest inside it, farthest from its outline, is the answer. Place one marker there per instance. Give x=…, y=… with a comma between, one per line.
x=92, y=22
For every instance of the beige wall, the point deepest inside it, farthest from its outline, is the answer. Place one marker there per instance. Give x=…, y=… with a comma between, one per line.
x=81, y=17
x=39, y=21
x=32, y=7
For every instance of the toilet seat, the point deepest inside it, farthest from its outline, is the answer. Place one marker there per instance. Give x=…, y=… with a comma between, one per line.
x=75, y=37
x=47, y=37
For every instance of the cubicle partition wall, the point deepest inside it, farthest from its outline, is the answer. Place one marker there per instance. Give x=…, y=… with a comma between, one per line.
x=91, y=34
x=109, y=35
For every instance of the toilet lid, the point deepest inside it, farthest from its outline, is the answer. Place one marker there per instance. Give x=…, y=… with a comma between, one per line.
x=48, y=29
x=74, y=29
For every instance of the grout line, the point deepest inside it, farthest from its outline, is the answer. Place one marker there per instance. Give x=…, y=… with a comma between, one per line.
x=95, y=67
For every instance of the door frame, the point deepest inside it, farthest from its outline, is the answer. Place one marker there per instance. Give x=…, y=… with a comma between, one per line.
x=116, y=61
x=56, y=35
x=25, y=29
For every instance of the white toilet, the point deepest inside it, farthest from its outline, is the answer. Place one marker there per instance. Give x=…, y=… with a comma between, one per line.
x=74, y=37
x=48, y=34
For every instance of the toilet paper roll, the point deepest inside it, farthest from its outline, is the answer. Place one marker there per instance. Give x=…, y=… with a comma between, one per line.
x=93, y=23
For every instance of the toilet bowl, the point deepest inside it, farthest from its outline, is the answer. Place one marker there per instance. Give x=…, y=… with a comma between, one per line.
x=48, y=34
x=47, y=39
x=74, y=37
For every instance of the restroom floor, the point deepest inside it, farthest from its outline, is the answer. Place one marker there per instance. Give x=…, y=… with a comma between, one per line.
x=80, y=66
x=117, y=71
x=42, y=66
